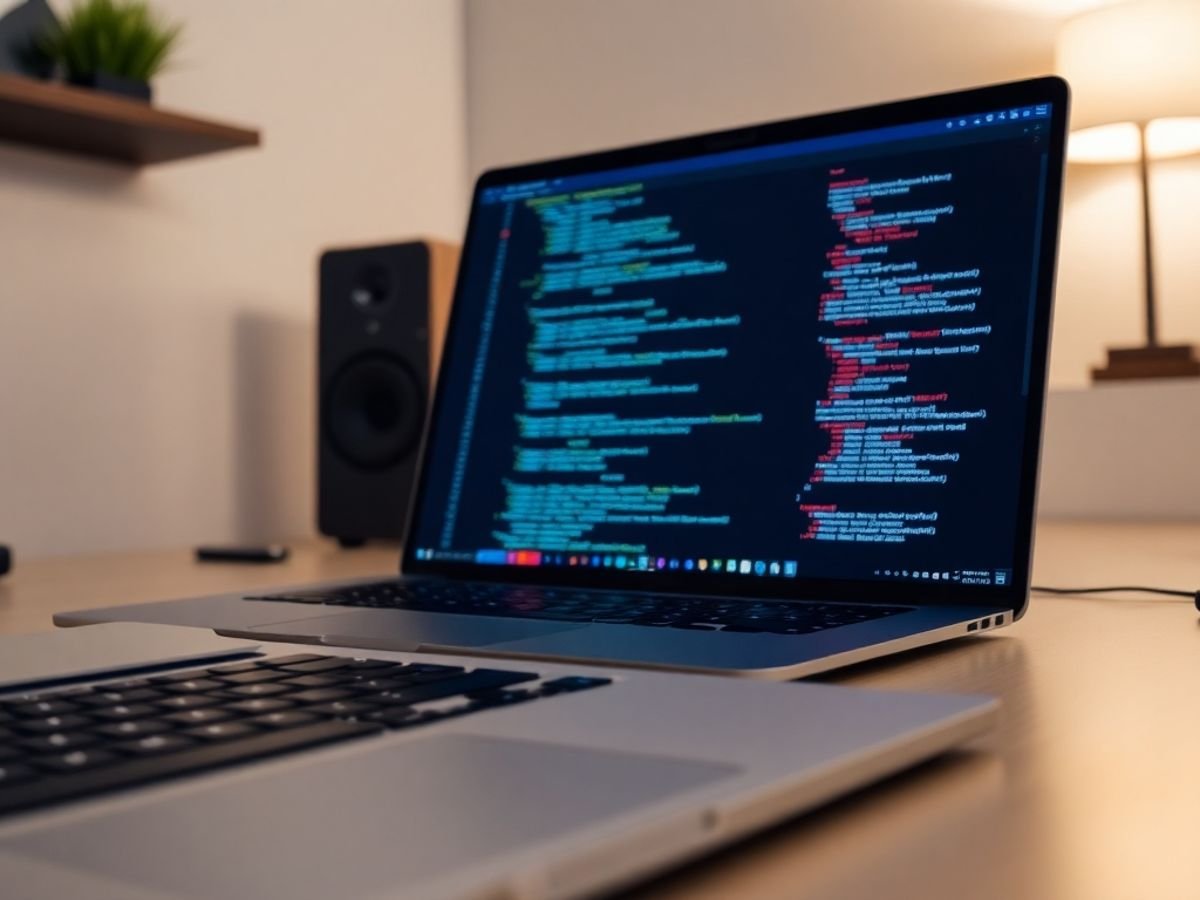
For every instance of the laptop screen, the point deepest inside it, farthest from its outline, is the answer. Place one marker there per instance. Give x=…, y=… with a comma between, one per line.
x=794, y=359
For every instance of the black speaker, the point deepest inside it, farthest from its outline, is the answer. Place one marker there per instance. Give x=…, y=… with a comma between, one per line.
x=380, y=316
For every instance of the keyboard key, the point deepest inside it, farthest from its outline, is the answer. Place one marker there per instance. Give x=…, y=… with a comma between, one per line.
x=193, y=685
x=121, y=711
x=259, y=705
x=188, y=701
x=51, y=723
x=321, y=695
x=573, y=683
x=133, y=728
x=262, y=689
x=42, y=708
x=342, y=708
x=199, y=716
x=285, y=719
x=154, y=744
x=312, y=681
x=75, y=760
x=112, y=698
x=221, y=731
x=58, y=742
x=398, y=717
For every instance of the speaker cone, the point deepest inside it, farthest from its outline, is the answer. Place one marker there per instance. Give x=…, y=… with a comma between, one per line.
x=374, y=410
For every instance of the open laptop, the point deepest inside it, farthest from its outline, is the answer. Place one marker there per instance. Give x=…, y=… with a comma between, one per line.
x=153, y=761
x=761, y=402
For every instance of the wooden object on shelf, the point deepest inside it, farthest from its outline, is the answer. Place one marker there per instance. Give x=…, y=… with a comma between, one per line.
x=84, y=122
x=1175, y=361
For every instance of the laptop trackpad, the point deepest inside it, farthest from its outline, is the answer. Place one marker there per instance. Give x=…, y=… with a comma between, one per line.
x=399, y=819
x=396, y=629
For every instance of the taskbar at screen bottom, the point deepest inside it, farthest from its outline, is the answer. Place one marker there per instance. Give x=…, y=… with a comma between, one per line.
x=644, y=562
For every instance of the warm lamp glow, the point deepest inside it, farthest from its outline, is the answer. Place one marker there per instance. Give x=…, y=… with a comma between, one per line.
x=1133, y=62
x=1121, y=143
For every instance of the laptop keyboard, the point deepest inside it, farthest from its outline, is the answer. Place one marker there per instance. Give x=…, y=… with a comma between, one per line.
x=564, y=605
x=63, y=744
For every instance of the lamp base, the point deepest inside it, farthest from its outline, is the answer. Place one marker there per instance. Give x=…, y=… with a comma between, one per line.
x=1176, y=361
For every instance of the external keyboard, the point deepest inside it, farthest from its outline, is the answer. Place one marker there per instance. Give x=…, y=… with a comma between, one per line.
x=565, y=605
x=67, y=743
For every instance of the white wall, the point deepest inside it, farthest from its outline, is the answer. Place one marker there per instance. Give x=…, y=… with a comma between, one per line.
x=547, y=77
x=156, y=379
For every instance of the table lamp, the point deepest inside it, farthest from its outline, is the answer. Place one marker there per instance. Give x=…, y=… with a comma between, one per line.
x=1134, y=70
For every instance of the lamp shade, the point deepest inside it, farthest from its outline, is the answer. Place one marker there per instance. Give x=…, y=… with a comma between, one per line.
x=1135, y=62
x=1132, y=62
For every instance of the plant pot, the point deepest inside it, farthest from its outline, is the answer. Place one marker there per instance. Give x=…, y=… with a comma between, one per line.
x=113, y=84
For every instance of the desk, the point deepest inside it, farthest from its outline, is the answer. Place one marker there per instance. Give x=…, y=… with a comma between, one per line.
x=1089, y=789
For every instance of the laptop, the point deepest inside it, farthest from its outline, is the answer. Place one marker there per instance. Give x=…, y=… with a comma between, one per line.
x=762, y=402
x=156, y=761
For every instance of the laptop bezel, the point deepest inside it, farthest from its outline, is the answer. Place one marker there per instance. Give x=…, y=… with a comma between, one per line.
x=1014, y=596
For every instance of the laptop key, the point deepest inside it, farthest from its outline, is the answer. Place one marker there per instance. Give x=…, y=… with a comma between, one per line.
x=41, y=708
x=256, y=706
x=320, y=695
x=573, y=683
x=188, y=701
x=112, y=698
x=134, y=728
x=121, y=711
x=75, y=760
x=262, y=689
x=58, y=742
x=199, y=716
x=51, y=724
x=220, y=731
x=284, y=719
x=154, y=744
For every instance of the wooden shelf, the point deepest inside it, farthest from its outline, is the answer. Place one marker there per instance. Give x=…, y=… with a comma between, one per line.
x=91, y=123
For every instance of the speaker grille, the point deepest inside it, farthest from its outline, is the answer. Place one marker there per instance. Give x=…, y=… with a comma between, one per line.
x=374, y=409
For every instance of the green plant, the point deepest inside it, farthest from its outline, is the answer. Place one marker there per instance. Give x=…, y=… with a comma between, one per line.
x=120, y=37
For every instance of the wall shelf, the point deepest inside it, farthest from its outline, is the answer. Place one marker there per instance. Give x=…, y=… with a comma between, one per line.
x=90, y=123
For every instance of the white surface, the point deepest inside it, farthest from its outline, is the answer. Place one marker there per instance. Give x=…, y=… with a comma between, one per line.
x=93, y=651
x=156, y=338
x=1128, y=451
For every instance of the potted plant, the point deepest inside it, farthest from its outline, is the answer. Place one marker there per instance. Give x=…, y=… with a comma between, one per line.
x=112, y=45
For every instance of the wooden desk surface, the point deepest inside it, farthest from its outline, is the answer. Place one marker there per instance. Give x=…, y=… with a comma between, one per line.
x=1090, y=788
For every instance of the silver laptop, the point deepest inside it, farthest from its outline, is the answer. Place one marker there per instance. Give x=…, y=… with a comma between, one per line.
x=148, y=761
x=760, y=402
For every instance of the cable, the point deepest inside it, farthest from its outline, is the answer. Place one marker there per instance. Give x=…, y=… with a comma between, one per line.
x=1170, y=592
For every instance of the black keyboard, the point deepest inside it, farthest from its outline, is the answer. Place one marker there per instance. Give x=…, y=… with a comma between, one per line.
x=565, y=605
x=67, y=743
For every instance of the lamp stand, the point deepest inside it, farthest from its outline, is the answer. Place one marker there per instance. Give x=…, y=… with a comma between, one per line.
x=1154, y=360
